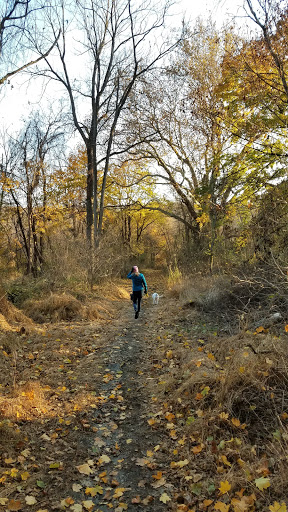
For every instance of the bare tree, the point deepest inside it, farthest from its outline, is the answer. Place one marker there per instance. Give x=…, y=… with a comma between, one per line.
x=26, y=174
x=272, y=19
x=114, y=45
x=18, y=35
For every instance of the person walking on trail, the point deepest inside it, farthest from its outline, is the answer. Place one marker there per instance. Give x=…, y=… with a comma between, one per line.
x=138, y=283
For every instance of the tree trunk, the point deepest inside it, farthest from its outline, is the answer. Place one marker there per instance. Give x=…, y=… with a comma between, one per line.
x=89, y=194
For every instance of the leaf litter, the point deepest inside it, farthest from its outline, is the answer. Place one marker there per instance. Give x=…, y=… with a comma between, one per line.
x=144, y=422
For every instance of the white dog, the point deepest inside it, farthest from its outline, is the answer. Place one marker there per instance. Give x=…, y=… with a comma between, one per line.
x=155, y=298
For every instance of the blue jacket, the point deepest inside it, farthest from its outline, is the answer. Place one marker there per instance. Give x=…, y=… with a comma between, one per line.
x=138, y=282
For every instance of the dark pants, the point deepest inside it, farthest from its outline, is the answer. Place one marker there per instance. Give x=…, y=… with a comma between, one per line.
x=137, y=296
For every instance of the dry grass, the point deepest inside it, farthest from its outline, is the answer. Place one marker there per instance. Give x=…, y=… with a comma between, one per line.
x=229, y=395
x=54, y=308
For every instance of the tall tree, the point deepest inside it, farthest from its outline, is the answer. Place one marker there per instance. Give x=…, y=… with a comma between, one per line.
x=115, y=44
x=26, y=176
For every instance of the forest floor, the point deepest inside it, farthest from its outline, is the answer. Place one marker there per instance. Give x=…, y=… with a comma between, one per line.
x=123, y=414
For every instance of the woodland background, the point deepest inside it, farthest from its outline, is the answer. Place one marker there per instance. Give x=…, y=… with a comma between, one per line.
x=164, y=146
x=199, y=110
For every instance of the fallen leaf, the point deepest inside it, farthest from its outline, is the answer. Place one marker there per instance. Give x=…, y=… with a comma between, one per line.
x=224, y=487
x=137, y=499
x=76, y=508
x=158, y=483
x=225, y=460
x=104, y=459
x=147, y=500
x=158, y=475
x=14, y=505
x=76, y=487
x=25, y=475
x=88, y=504
x=119, y=492
x=277, y=507
x=206, y=503
x=165, y=498
x=262, y=483
x=198, y=449
x=179, y=464
x=85, y=469
x=93, y=491
x=30, y=500
x=221, y=506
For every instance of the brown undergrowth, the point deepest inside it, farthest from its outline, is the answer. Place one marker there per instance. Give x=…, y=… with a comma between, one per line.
x=224, y=400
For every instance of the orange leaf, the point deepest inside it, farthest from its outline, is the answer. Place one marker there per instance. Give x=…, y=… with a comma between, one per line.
x=158, y=475
x=286, y=327
x=211, y=356
x=14, y=505
x=236, y=422
x=197, y=449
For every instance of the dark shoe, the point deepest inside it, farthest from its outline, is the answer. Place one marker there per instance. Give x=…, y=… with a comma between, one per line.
x=136, y=314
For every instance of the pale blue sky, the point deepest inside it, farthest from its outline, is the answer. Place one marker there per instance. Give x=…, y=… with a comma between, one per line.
x=16, y=101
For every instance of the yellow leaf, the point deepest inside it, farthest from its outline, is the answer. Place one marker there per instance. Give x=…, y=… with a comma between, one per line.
x=84, y=469
x=225, y=460
x=277, y=507
x=93, y=491
x=119, y=492
x=104, y=459
x=206, y=503
x=164, y=497
x=151, y=421
x=224, y=415
x=25, y=475
x=236, y=422
x=224, y=487
x=30, y=500
x=179, y=464
x=88, y=504
x=76, y=508
x=221, y=506
x=9, y=461
x=262, y=483
x=150, y=453
x=211, y=356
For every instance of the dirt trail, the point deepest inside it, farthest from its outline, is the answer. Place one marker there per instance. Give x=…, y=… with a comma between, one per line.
x=126, y=450
x=123, y=430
